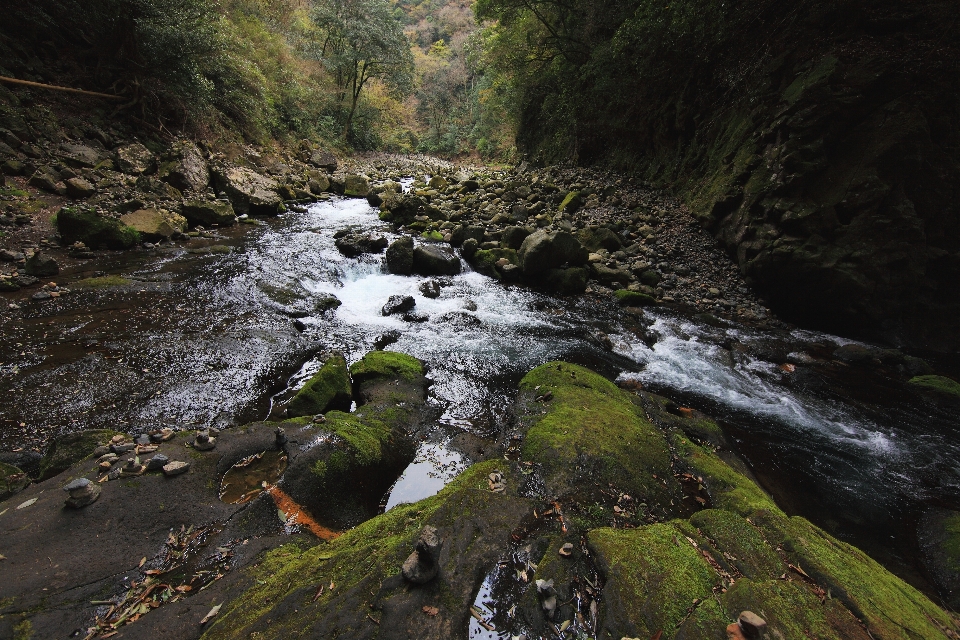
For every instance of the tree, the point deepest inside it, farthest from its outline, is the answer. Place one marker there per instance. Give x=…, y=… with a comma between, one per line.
x=362, y=40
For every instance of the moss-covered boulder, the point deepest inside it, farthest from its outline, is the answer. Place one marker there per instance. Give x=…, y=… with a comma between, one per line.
x=634, y=298
x=209, y=212
x=584, y=432
x=364, y=595
x=82, y=225
x=342, y=468
x=155, y=224
x=67, y=450
x=939, y=385
x=329, y=388
x=12, y=480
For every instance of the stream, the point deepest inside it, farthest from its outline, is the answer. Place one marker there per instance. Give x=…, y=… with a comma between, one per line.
x=216, y=332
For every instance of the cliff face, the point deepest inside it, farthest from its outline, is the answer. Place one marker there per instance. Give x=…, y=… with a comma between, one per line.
x=819, y=141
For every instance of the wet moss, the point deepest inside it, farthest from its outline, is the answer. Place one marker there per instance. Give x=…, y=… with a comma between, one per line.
x=951, y=547
x=485, y=262
x=738, y=542
x=366, y=436
x=67, y=450
x=386, y=364
x=937, y=384
x=80, y=225
x=593, y=430
x=653, y=574
x=328, y=388
x=103, y=282
x=729, y=489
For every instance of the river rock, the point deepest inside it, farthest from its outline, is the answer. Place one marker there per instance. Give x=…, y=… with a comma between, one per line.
x=398, y=304
x=400, y=256
x=184, y=167
x=41, y=265
x=355, y=186
x=324, y=160
x=157, y=462
x=595, y=238
x=154, y=224
x=423, y=564
x=80, y=155
x=45, y=178
x=352, y=243
x=250, y=192
x=76, y=224
x=82, y=492
x=462, y=233
x=204, y=441
x=753, y=626
x=135, y=159
x=430, y=289
x=209, y=212
x=79, y=188
x=545, y=250
x=513, y=237
x=175, y=468
x=434, y=260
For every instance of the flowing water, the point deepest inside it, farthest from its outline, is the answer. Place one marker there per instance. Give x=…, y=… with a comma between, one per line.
x=214, y=337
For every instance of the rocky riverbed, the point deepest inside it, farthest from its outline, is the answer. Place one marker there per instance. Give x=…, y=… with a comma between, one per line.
x=392, y=318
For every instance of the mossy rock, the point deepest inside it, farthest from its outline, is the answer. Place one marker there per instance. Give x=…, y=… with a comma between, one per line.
x=939, y=536
x=329, y=388
x=571, y=202
x=590, y=432
x=386, y=364
x=368, y=595
x=634, y=298
x=65, y=451
x=940, y=385
x=485, y=261
x=653, y=574
x=669, y=416
x=12, y=480
x=79, y=225
x=739, y=544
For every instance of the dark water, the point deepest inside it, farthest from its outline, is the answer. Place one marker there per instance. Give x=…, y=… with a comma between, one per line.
x=209, y=339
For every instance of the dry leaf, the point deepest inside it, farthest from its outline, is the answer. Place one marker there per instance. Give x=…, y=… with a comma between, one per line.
x=431, y=611
x=143, y=561
x=27, y=503
x=210, y=615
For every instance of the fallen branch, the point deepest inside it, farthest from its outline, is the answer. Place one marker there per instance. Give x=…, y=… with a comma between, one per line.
x=54, y=87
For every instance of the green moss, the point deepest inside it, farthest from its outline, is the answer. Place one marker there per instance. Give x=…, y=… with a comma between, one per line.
x=728, y=488
x=890, y=607
x=370, y=552
x=12, y=480
x=103, y=282
x=593, y=428
x=434, y=236
x=738, y=542
x=485, y=262
x=386, y=364
x=13, y=192
x=634, y=298
x=328, y=388
x=938, y=384
x=571, y=202
x=654, y=572
x=23, y=630
x=366, y=436
x=67, y=450
x=791, y=610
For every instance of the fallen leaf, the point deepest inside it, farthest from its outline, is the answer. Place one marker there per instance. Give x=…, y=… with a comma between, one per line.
x=210, y=615
x=184, y=588
x=27, y=503
x=143, y=561
x=431, y=611
x=3, y=557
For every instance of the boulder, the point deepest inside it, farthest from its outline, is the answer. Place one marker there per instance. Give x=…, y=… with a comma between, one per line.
x=209, y=212
x=463, y=233
x=400, y=256
x=318, y=183
x=401, y=209
x=355, y=186
x=80, y=155
x=154, y=224
x=41, y=265
x=136, y=159
x=249, y=192
x=82, y=225
x=398, y=304
x=47, y=179
x=438, y=182
x=513, y=237
x=543, y=250
x=434, y=260
x=327, y=390
x=79, y=188
x=596, y=238
x=324, y=160
x=184, y=167
x=352, y=243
